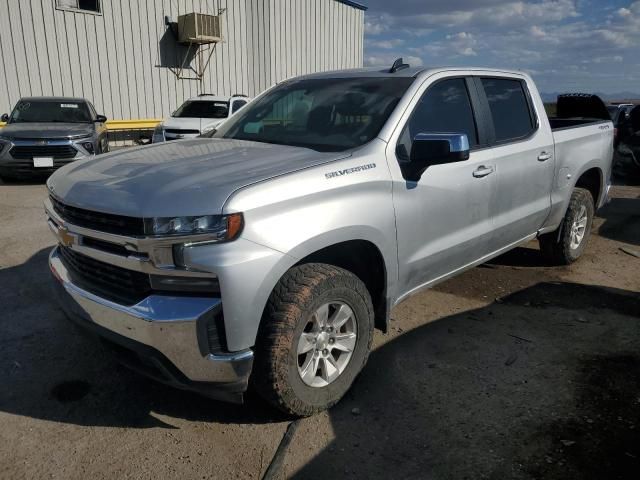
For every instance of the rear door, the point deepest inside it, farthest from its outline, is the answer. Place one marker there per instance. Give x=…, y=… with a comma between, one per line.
x=523, y=151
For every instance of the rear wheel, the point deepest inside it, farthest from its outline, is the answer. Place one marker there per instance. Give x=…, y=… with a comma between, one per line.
x=566, y=245
x=314, y=339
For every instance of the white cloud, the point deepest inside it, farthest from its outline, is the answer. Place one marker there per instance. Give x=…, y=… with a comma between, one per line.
x=624, y=12
x=572, y=43
x=387, y=59
x=537, y=32
x=414, y=61
x=373, y=27
x=510, y=13
x=386, y=44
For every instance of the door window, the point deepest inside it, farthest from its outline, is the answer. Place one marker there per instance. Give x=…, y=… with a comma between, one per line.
x=512, y=118
x=444, y=108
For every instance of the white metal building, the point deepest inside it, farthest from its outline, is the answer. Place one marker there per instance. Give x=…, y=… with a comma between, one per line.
x=126, y=57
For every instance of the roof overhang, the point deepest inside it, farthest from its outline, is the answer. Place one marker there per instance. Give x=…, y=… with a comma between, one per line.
x=353, y=4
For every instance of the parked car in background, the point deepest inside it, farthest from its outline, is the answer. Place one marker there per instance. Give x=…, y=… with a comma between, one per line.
x=630, y=139
x=44, y=133
x=619, y=113
x=197, y=116
x=269, y=252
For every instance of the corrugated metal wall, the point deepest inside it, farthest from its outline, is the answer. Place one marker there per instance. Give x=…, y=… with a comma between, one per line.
x=119, y=59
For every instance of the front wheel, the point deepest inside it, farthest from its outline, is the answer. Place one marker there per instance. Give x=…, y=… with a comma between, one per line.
x=314, y=339
x=566, y=245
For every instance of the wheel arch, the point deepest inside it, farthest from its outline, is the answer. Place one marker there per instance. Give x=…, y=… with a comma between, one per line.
x=365, y=257
x=592, y=180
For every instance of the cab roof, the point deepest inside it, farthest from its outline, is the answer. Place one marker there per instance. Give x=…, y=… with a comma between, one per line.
x=408, y=71
x=54, y=99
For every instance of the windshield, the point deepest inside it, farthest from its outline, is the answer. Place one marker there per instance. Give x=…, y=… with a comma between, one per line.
x=323, y=114
x=50, y=111
x=203, y=109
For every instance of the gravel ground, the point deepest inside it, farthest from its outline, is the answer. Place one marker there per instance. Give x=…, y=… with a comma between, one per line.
x=530, y=371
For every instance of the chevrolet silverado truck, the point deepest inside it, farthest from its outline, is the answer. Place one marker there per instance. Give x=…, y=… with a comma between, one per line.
x=265, y=254
x=44, y=133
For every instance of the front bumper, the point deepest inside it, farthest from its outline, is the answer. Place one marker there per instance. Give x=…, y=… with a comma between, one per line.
x=166, y=136
x=161, y=336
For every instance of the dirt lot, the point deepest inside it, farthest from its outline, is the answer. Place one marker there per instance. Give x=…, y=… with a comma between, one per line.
x=512, y=370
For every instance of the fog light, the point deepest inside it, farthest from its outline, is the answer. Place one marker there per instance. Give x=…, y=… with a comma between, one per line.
x=88, y=146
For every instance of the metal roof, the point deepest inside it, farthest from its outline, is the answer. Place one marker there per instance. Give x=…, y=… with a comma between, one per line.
x=353, y=4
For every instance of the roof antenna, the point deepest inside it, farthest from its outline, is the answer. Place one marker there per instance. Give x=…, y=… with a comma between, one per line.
x=398, y=65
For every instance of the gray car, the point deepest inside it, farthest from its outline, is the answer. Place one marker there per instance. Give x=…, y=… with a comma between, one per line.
x=44, y=133
x=269, y=252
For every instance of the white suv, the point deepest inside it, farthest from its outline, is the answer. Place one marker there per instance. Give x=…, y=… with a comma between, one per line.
x=198, y=115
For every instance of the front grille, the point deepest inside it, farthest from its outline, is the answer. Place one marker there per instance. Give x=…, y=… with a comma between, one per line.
x=174, y=131
x=126, y=287
x=103, y=222
x=56, y=151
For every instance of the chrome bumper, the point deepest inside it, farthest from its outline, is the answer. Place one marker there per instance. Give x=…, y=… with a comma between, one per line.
x=170, y=325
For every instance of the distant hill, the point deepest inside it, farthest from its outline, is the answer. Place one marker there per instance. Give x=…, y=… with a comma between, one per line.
x=620, y=96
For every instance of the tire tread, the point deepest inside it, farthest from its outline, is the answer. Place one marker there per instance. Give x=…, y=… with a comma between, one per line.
x=280, y=319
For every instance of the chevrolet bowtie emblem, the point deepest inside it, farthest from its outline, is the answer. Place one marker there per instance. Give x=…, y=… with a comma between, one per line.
x=65, y=237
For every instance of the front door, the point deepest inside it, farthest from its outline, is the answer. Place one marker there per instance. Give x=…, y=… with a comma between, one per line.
x=443, y=220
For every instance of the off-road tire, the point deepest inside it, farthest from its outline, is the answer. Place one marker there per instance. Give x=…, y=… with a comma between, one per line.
x=556, y=246
x=298, y=294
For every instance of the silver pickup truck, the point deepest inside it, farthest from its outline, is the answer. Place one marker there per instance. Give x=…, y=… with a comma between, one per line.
x=268, y=253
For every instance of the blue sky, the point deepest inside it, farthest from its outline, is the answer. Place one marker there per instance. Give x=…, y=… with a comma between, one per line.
x=566, y=45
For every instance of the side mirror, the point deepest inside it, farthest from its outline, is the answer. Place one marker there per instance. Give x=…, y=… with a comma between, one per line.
x=429, y=149
x=4, y=118
x=101, y=119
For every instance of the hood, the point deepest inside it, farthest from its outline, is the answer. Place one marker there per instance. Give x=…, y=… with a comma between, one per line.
x=186, y=123
x=30, y=130
x=183, y=178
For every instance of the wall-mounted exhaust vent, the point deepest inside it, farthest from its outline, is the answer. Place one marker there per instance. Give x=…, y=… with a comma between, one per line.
x=199, y=28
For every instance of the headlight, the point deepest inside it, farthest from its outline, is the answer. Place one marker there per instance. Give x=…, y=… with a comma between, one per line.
x=222, y=227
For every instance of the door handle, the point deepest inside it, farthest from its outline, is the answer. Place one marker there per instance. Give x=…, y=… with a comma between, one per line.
x=544, y=156
x=482, y=171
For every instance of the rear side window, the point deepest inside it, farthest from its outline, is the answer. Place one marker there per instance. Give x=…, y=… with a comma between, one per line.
x=237, y=105
x=444, y=108
x=512, y=118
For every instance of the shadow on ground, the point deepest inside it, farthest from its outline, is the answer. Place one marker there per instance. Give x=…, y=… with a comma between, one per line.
x=625, y=172
x=545, y=384
x=622, y=220
x=53, y=372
